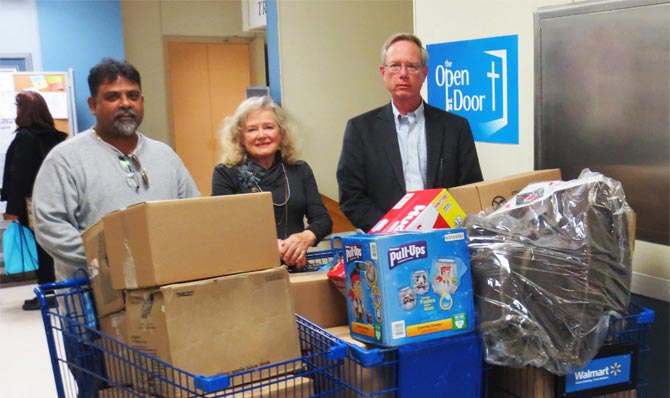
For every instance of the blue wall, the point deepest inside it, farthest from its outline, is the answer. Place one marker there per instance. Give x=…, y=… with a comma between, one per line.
x=77, y=34
x=272, y=39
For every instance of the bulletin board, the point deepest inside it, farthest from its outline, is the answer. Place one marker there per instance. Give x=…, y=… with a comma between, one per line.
x=55, y=87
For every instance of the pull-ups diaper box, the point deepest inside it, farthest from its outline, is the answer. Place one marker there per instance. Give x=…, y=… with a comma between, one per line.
x=408, y=287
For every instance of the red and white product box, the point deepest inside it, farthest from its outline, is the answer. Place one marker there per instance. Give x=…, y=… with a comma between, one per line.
x=423, y=210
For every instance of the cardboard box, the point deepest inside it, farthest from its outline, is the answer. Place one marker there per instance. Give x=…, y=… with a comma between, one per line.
x=408, y=287
x=117, y=357
x=317, y=299
x=369, y=380
x=172, y=241
x=422, y=210
x=476, y=197
x=115, y=392
x=215, y=326
x=529, y=382
x=107, y=300
x=295, y=387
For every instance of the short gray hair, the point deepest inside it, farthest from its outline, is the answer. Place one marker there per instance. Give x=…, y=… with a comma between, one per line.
x=404, y=37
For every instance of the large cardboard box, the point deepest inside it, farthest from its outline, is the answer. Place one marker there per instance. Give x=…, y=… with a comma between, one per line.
x=107, y=300
x=172, y=241
x=422, y=210
x=293, y=387
x=215, y=326
x=116, y=392
x=476, y=197
x=317, y=299
x=408, y=287
x=117, y=356
x=529, y=382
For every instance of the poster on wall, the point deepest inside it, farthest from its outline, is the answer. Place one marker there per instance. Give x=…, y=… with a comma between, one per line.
x=479, y=80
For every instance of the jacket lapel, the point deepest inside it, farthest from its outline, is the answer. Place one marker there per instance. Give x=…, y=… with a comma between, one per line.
x=387, y=137
x=434, y=144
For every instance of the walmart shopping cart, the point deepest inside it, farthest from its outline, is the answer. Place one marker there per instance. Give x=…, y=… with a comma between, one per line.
x=88, y=363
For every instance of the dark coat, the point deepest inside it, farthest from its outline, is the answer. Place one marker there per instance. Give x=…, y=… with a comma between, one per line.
x=22, y=162
x=370, y=175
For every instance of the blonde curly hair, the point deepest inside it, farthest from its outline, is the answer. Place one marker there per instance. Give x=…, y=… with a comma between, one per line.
x=233, y=152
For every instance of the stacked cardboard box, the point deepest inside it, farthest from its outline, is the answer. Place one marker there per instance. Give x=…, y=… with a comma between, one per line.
x=318, y=300
x=479, y=196
x=195, y=283
x=530, y=382
x=294, y=387
x=215, y=326
x=173, y=241
x=107, y=299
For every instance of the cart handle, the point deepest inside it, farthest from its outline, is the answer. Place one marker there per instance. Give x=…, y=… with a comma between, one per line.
x=68, y=283
x=212, y=383
x=646, y=316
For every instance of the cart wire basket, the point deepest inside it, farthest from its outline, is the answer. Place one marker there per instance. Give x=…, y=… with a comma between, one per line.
x=370, y=372
x=322, y=260
x=88, y=363
x=626, y=335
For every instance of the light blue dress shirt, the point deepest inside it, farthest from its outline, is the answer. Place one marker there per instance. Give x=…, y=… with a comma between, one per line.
x=411, y=130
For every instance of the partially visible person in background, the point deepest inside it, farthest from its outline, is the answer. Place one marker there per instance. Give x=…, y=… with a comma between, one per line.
x=36, y=135
x=259, y=155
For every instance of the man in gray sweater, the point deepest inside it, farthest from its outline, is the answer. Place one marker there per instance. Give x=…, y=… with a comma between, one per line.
x=105, y=168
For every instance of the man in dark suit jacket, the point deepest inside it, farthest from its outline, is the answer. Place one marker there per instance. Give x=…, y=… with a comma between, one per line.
x=378, y=165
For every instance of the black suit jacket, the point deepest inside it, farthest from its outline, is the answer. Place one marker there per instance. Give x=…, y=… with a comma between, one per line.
x=369, y=172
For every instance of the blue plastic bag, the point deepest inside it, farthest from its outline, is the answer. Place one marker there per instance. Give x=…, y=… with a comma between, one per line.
x=19, y=249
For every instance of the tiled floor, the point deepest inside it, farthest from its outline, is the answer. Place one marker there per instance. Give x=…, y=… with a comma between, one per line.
x=26, y=368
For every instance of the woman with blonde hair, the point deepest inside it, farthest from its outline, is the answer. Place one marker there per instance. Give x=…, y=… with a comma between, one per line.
x=259, y=155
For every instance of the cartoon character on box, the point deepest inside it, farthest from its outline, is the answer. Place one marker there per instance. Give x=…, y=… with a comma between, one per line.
x=356, y=296
x=370, y=273
x=445, y=282
x=407, y=298
x=420, y=282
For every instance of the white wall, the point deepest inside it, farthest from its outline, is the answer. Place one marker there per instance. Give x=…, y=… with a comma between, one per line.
x=438, y=21
x=18, y=30
x=146, y=26
x=329, y=60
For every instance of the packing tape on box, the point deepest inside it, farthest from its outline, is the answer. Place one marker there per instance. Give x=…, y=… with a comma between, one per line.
x=128, y=259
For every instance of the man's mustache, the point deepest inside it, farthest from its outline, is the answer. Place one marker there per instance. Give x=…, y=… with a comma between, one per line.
x=124, y=112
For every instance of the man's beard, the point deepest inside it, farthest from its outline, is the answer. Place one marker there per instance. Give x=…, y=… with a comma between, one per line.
x=125, y=127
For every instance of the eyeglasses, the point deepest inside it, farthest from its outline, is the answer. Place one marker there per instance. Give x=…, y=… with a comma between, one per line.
x=396, y=67
x=130, y=164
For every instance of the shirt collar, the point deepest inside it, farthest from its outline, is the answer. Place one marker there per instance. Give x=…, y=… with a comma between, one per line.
x=138, y=147
x=418, y=113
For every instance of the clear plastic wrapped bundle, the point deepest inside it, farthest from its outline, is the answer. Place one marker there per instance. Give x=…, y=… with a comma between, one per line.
x=549, y=269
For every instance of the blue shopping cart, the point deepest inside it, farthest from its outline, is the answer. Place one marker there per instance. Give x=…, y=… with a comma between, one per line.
x=398, y=372
x=624, y=352
x=88, y=363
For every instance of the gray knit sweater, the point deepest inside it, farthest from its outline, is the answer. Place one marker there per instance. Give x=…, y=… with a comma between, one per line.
x=82, y=179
